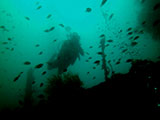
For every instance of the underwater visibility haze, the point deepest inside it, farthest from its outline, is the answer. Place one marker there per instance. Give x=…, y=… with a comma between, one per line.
x=52, y=50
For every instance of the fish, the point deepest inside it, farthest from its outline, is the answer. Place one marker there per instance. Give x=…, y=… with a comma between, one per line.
x=54, y=40
x=39, y=65
x=39, y=7
x=124, y=50
x=50, y=29
x=27, y=18
x=48, y=16
x=130, y=38
x=87, y=60
x=136, y=38
x=94, y=77
x=130, y=33
x=40, y=53
x=94, y=67
x=88, y=9
x=17, y=77
x=61, y=25
x=110, y=40
x=156, y=23
x=99, y=53
x=41, y=85
x=33, y=82
x=129, y=29
x=41, y=96
x=97, y=62
x=103, y=2
x=43, y=73
x=90, y=46
x=102, y=35
x=4, y=43
x=88, y=73
x=37, y=45
x=12, y=49
x=9, y=39
x=21, y=102
x=27, y=63
x=157, y=6
x=134, y=43
x=144, y=22
x=111, y=16
x=129, y=60
x=118, y=62
x=90, y=58
x=4, y=28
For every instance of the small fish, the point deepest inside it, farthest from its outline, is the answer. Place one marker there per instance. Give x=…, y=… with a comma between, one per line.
x=157, y=6
x=129, y=29
x=43, y=73
x=27, y=63
x=37, y=45
x=88, y=9
x=39, y=7
x=129, y=60
x=9, y=39
x=90, y=58
x=52, y=28
x=99, y=53
x=141, y=32
x=109, y=40
x=41, y=85
x=61, y=25
x=103, y=2
x=65, y=70
x=102, y=35
x=134, y=43
x=111, y=16
x=21, y=102
x=88, y=73
x=46, y=30
x=118, y=62
x=4, y=43
x=41, y=96
x=87, y=60
x=106, y=45
x=39, y=65
x=124, y=50
x=90, y=46
x=4, y=28
x=16, y=78
x=130, y=38
x=97, y=62
x=130, y=33
x=120, y=31
x=87, y=53
x=49, y=15
x=40, y=53
x=136, y=38
x=33, y=82
x=27, y=18
x=12, y=49
x=94, y=67
x=156, y=23
x=94, y=77
x=144, y=22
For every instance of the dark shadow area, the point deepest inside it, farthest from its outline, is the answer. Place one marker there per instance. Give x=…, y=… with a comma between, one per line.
x=135, y=92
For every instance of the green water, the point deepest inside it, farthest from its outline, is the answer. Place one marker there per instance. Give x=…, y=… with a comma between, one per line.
x=23, y=37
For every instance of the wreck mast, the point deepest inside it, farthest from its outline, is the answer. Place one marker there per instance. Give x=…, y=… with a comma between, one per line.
x=104, y=65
